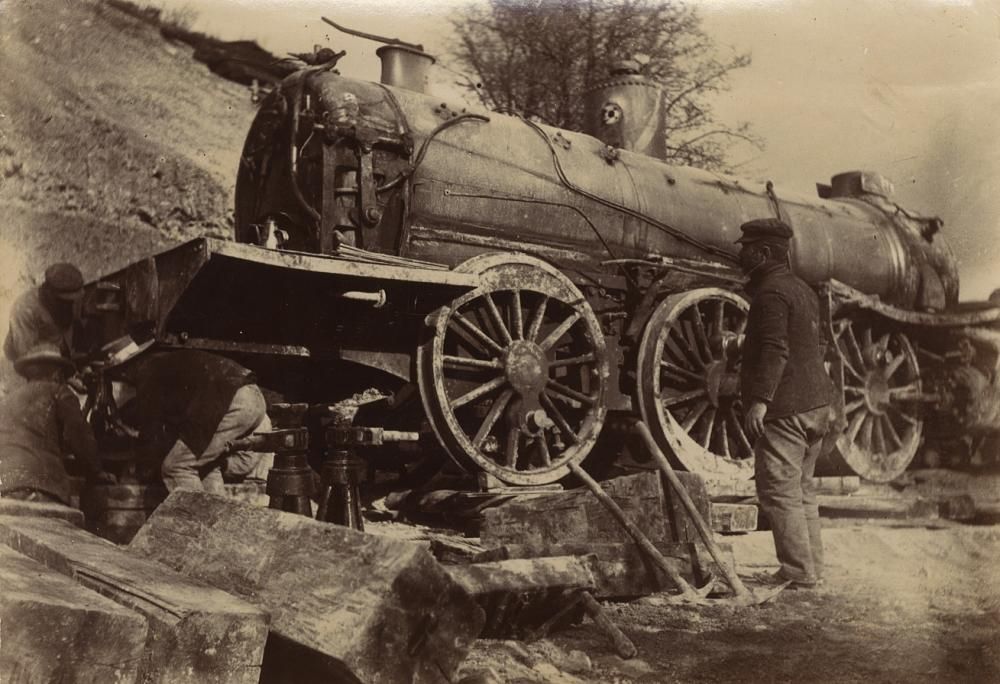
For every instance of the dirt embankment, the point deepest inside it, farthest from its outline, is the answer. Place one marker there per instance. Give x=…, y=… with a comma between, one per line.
x=113, y=142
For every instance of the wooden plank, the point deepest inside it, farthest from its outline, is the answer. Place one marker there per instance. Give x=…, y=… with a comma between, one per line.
x=196, y=633
x=622, y=571
x=847, y=484
x=42, y=509
x=730, y=489
x=54, y=630
x=340, y=600
x=731, y=517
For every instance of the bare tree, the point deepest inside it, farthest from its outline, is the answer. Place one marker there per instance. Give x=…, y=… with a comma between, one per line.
x=537, y=57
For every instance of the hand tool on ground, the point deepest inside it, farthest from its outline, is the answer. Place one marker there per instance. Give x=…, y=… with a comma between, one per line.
x=687, y=594
x=743, y=596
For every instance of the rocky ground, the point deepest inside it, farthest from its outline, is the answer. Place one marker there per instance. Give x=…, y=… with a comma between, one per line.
x=115, y=143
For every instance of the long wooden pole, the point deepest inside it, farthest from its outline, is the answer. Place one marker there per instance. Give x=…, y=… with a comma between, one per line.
x=687, y=592
x=729, y=573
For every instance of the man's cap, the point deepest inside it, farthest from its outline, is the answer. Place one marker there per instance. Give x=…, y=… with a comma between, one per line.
x=65, y=281
x=42, y=353
x=769, y=229
x=117, y=352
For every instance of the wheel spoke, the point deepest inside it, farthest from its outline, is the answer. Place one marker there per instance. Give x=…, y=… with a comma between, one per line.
x=673, y=400
x=573, y=360
x=890, y=430
x=469, y=362
x=491, y=417
x=706, y=441
x=853, y=406
x=724, y=436
x=557, y=417
x=894, y=365
x=536, y=322
x=491, y=306
x=866, y=433
x=477, y=332
x=565, y=391
x=898, y=412
x=671, y=344
x=878, y=438
x=701, y=335
x=517, y=315
x=684, y=373
x=741, y=436
x=868, y=348
x=561, y=330
x=692, y=343
x=855, y=426
x=851, y=342
x=693, y=415
x=480, y=391
x=882, y=344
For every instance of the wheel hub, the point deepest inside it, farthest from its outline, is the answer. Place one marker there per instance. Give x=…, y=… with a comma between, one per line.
x=527, y=367
x=877, y=393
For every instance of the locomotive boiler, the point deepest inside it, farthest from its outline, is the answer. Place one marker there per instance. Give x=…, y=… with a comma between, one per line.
x=591, y=283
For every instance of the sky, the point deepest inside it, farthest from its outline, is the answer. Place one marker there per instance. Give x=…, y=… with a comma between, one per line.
x=907, y=88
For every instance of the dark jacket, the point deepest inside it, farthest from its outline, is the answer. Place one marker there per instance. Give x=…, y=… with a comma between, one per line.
x=782, y=356
x=185, y=394
x=40, y=423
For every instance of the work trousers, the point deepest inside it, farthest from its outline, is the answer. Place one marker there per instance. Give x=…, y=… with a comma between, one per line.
x=247, y=413
x=784, y=461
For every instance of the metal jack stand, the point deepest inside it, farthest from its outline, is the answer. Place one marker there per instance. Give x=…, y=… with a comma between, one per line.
x=290, y=480
x=340, y=499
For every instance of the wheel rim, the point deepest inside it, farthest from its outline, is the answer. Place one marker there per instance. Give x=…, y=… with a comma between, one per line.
x=514, y=374
x=688, y=388
x=882, y=393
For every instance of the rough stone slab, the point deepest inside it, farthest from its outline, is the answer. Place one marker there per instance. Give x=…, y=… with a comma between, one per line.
x=731, y=517
x=196, y=633
x=54, y=630
x=343, y=603
x=42, y=509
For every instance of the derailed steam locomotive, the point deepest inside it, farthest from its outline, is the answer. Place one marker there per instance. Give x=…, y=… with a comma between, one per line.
x=591, y=283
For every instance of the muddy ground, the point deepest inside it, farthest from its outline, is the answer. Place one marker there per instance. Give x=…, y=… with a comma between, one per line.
x=114, y=143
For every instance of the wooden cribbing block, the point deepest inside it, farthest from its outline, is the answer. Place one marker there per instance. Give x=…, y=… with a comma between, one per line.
x=680, y=526
x=42, y=509
x=196, y=633
x=576, y=516
x=731, y=517
x=343, y=604
x=54, y=630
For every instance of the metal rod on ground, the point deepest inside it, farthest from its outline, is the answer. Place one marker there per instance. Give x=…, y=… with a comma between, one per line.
x=706, y=534
x=623, y=645
x=687, y=592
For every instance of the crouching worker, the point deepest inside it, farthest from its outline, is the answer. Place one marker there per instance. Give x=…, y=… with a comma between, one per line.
x=40, y=425
x=195, y=402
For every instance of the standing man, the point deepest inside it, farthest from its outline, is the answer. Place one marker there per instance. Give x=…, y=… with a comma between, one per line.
x=45, y=314
x=40, y=425
x=195, y=402
x=786, y=395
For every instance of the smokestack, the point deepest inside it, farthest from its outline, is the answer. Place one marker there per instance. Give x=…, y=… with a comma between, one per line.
x=405, y=67
x=627, y=111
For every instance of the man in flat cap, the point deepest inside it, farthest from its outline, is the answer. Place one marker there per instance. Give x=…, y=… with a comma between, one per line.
x=45, y=314
x=786, y=395
x=40, y=425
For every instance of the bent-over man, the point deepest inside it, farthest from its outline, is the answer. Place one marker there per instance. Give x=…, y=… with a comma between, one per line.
x=786, y=395
x=40, y=425
x=197, y=402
